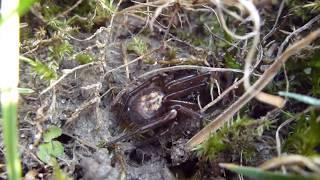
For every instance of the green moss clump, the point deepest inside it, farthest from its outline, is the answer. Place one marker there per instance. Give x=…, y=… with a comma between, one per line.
x=60, y=49
x=44, y=71
x=84, y=58
x=305, y=138
x=304, y=9
x=138, y=46
x=306, y=76
x=239, y=137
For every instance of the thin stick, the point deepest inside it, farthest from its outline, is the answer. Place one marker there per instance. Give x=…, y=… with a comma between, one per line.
x=133, y=61
x=276, y=22
x=224, y=93
x=67, y=74
x=184, y=67
x=278, y=140
x=70, y=9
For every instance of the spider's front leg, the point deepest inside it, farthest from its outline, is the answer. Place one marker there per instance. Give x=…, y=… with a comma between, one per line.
x=185, y=110
x=169, y=116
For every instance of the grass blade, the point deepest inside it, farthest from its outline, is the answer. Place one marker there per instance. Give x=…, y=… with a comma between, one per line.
x=302, y=98
x=9, y=73
x=263, y=175
x=9, y=122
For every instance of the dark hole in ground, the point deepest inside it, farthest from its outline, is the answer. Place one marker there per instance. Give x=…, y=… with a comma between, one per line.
x=187, y=169
x=168, y=158
x=65, y=139
x=168, y=144
x=79, y=172
x=138, y=156
x=259, y=110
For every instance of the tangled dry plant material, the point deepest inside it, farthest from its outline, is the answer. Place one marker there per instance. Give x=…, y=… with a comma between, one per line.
x=255, y=89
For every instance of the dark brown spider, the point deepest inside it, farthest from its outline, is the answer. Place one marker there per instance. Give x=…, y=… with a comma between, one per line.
x=158, y=101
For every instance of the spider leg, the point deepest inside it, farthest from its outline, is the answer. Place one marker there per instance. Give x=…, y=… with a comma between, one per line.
x=184, y=92
x=187, y=111
x=171, y=115
x=186, y=104
x=188, y=81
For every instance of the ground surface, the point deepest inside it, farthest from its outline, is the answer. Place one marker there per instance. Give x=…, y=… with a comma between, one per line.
x=80, y=104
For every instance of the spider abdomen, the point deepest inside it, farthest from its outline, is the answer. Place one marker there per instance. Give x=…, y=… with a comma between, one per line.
x=146, y=105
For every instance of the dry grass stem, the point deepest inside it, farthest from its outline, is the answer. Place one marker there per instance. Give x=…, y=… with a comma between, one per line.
x=70, y=71
x=184, y=67
x=290, y=160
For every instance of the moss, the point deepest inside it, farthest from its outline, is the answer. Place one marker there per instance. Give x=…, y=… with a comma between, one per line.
x=50, y=9
x=305, y=138
x=84, y=58
x=212, y=147
x=138, y=46
x=306, y=76
x=230, y=62
x=60, y=49
x=304, y=9
x=44, y=71
x=239, y=137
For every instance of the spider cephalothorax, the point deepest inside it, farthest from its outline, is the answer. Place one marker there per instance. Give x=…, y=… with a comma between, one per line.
x=159, y=100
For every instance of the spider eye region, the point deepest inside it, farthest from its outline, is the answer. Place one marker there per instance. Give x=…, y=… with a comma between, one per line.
x=149, y=104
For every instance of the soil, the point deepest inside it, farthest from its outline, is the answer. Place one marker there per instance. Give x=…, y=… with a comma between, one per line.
x=80, y=104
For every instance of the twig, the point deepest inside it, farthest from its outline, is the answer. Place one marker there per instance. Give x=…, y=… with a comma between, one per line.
x=253, y=13
x=255, y=18
x=158, y=12
x=224, y=93
x=82, y=107
x=99, y=31
x=131, y=62
x=184, y=67
x=125, y=58
x=276, y=22
x=112, y=20
x=82, y=141
x=70, y=9
x=288, y=121
x=278, y=141
x=290, y=160
x=67, y=74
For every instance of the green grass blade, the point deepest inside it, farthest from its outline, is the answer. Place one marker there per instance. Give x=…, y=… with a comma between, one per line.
x=257, y=173
x=25, y=91
x=9, y=122
x=9, y=71
x=302, y=98
x=22, y=8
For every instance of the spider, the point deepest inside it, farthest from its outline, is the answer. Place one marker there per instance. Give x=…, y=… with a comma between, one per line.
x=158, y=101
